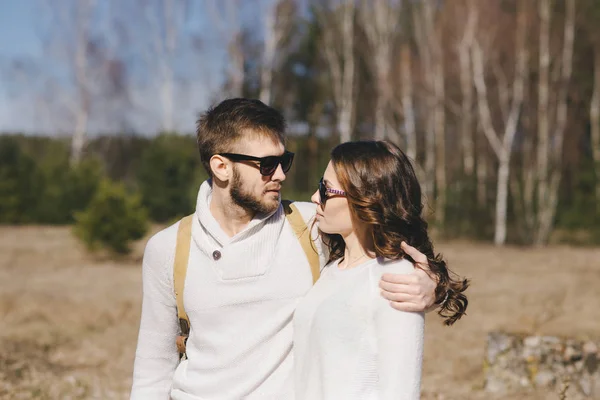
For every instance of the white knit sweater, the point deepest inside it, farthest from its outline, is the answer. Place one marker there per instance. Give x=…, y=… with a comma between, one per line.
x=240, y=309
x=350, y=344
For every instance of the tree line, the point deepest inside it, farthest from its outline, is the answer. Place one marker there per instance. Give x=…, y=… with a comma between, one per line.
x=497, y=102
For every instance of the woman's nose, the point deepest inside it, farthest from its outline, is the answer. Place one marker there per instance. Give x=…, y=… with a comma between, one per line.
x=315, y=198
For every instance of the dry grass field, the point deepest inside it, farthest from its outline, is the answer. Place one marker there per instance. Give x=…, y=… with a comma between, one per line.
x=68, y=320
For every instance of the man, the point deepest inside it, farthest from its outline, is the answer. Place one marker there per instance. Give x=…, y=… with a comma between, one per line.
x=247, y=271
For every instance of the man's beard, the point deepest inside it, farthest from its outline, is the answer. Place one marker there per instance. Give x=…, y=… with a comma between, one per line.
x=246, y=200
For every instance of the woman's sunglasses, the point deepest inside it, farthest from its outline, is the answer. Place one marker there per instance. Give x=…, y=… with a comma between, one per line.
x=323, y=190
x=266, y=165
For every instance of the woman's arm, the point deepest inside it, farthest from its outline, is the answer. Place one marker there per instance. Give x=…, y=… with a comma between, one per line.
x=399, y=337
x=156, y=355
x=415, y=291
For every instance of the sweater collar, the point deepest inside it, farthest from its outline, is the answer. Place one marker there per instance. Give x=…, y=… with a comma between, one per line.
x=210, y=224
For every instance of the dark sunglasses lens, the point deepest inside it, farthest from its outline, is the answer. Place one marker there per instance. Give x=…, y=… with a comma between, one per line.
x=268, y=165
x=286, y=161
x=322, y=192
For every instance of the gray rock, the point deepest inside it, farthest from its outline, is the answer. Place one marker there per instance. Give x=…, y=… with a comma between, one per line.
x=497, y=343
x=517, y=362
x=545, y=379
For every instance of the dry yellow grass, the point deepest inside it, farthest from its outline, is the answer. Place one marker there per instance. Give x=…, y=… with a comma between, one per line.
x=69, y=320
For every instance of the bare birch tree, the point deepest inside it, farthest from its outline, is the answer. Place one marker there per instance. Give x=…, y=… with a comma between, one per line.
x=589, y=14
x=406, y=100
x=163, y=20
x=467, y=90
x=542, y=176
x=277, y=26
x=337, y=22
x=426, y=99
x=550, y=142
x=69, y=43
x=81, y=107
x=502, y=144
x=595, y=121
x=380, y=20
x=228, y=23
x=428, y=34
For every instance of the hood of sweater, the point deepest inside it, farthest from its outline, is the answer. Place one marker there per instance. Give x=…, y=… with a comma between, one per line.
x=247, y=254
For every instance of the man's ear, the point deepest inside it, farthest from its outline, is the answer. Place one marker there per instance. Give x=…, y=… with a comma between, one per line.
x=220, y=167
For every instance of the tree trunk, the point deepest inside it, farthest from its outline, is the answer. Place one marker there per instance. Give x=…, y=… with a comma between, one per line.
x=314, y=118
x=436, y=79
x=502, y=198
x=549, y=202
x=482, y=176
x=595, y=123
x=347, y=101
x=341, y=65
x=82, y=106
x=380, y=118
x=236, y=69
x=466, y=84
x=407, y=102
x=380, y=19
x=423, y=31
x=502, y=147
x=270, y=47
x=543, y=105
x=440, y=138
x=79, y=135
x=231, y=32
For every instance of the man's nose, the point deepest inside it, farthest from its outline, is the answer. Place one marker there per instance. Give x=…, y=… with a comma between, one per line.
x=278, y=175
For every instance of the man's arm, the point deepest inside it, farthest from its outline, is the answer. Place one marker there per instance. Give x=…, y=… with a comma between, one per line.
x=414, y=292
x=156, y=355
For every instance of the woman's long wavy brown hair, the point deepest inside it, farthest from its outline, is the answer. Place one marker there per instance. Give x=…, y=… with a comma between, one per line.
x=384, y=196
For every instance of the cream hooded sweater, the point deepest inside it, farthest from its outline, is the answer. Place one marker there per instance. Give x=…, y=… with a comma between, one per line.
x=240, y=305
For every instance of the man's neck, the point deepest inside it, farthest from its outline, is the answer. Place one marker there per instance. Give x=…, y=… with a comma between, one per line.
x=231, y=217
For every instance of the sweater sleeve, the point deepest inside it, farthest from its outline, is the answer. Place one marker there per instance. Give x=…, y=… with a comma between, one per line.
x=399, y=337
x=156, y=355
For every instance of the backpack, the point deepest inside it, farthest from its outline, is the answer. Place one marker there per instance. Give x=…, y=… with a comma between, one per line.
x=182, y=251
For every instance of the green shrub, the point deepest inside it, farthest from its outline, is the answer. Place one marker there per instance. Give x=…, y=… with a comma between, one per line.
x=112, y=220
x=168, y=176
x=67, y=189
x=20, y=182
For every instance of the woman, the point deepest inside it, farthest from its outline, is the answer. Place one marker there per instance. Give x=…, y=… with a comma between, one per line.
x=348, y=342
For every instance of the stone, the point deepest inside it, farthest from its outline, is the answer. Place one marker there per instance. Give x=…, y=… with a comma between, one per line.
x=585, y=383
x=494, y=385
x=591, y=363
x=520, y=362
x=544, y=379
x=532, y=341
x=497, y=343
x=572, y=354
x=590, y=348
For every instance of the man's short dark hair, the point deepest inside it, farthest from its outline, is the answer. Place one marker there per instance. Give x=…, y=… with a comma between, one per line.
x=221, y=126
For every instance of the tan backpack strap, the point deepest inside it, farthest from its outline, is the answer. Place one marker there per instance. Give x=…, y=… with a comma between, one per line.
x=303, y=234
x=182, y=253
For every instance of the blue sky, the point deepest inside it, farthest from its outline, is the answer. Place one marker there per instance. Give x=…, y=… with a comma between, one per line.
x=17, y=34
x=19, y=39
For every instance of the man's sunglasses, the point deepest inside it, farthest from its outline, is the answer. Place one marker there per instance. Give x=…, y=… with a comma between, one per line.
x=323, y=190
x=266, y=165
